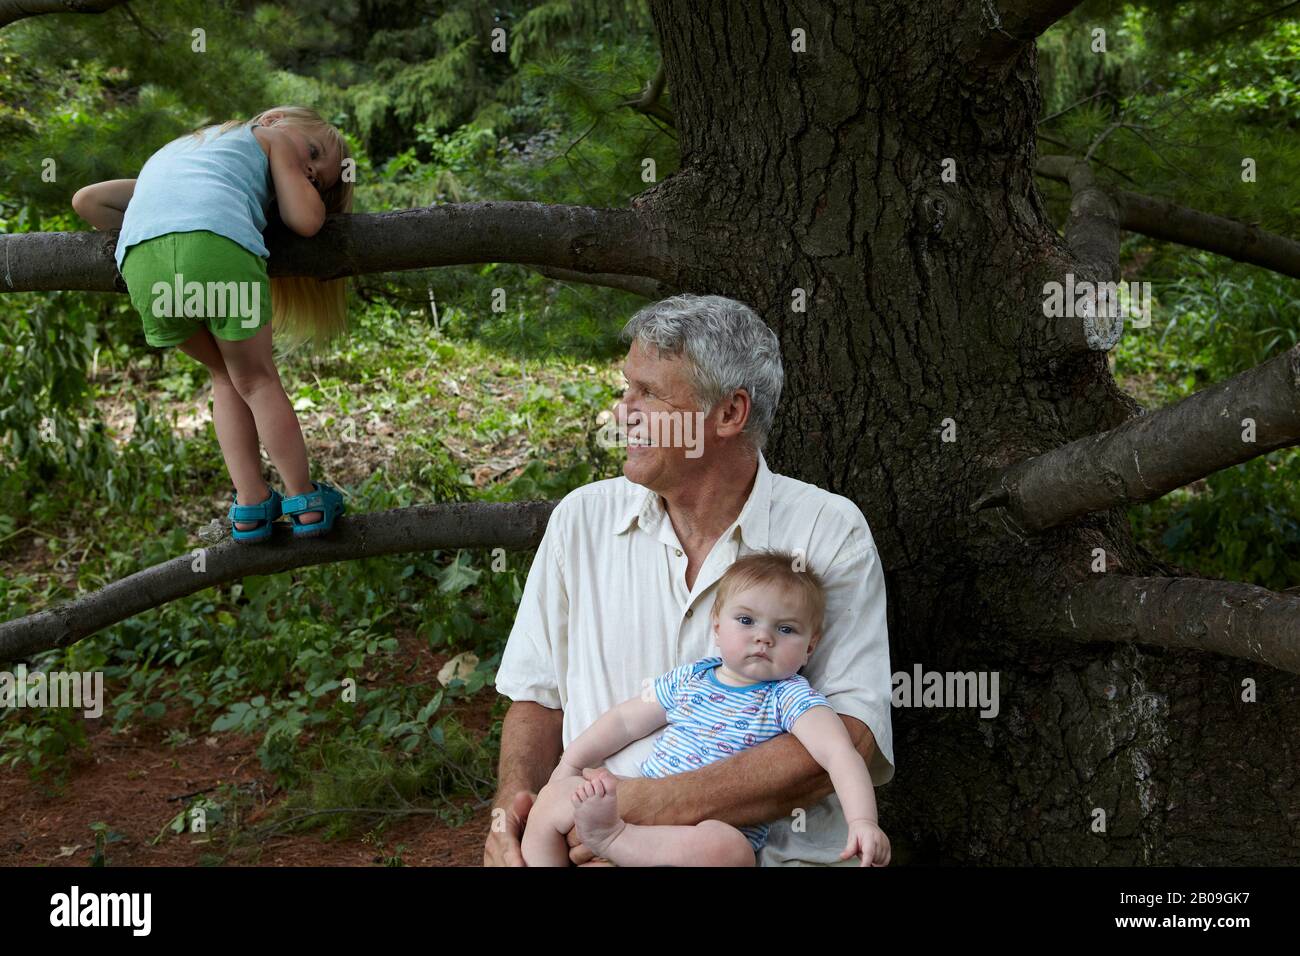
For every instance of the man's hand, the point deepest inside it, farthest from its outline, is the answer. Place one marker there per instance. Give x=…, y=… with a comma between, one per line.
x=502, y=847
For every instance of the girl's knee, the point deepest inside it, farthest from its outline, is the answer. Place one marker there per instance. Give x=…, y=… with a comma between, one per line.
x=251, y=380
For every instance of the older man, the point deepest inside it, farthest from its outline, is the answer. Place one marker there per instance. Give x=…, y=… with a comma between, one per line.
x=624, y=579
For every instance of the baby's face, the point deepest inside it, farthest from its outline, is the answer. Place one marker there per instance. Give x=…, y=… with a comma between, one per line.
x=763, y=634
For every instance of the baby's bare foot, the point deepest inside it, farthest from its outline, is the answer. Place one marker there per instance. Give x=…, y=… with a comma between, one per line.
x=595, y=813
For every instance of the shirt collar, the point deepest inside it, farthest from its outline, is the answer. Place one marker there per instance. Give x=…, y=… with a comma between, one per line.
x=647, y=510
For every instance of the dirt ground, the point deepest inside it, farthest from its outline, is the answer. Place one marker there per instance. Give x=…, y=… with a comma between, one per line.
x=136, y=784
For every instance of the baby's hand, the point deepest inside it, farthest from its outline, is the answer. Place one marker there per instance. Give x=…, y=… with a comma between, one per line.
x=868, y=841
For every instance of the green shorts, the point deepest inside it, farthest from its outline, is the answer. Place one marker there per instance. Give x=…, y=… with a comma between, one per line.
x=221, y=287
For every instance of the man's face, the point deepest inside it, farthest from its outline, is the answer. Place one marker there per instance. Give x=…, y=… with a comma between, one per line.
x=763, y=634
x=657, y=387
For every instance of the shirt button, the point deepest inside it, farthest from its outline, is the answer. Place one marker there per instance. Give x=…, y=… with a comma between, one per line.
x=679, y=552
x=690, y=611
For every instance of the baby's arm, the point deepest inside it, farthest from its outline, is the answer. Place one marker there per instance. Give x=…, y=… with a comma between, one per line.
x=301, y=207
x=614, y=730
x=825, y=737
x=103, y=204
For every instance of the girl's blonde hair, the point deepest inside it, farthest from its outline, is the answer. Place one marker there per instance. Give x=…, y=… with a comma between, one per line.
x=303, y=308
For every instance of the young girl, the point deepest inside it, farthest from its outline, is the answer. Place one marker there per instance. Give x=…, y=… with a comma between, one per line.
x=767, y=618
x=192, y=255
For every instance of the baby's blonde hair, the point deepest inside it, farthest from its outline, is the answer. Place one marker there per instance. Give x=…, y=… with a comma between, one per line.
x=774, y=567
x=303, y=308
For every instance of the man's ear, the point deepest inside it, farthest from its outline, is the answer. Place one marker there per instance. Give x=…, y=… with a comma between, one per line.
x=735, y=411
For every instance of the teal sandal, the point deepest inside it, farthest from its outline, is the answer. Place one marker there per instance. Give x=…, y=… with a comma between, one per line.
x=325, y=499
x=263, y=513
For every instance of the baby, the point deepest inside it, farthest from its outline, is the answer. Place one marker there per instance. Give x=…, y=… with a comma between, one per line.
x=767, y=618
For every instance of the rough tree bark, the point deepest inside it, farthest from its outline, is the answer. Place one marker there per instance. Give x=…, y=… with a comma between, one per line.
x=821, y=171
x=815, y=178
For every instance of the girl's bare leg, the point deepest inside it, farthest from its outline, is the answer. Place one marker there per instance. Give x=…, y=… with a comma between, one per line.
x=253, y=373
x=233, y=421
x=709, y=843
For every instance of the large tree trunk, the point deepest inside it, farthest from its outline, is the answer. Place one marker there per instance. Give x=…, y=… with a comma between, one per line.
x=821, y=171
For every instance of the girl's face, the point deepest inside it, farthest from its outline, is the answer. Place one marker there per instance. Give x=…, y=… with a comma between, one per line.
x=320, y=159
x=763, y=635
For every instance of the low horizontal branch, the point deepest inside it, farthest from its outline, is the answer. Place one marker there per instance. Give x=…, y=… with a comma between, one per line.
x=13, y=10
x=1222, y=617
x=1153, y=454
x=513, y=526
x=1170, y=222
x=577, y=238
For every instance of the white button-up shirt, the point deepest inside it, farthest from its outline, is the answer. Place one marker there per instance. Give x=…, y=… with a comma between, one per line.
x=605, y=610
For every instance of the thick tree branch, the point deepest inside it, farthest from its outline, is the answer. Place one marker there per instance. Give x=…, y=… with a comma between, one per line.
x=1008, y=25
x=1153, y=454
x=1170, y=222
x=421, y=528
x=1093, y=228
x=1223, y=617
x=1092, y=234
x=12, y=10
x=579, y=238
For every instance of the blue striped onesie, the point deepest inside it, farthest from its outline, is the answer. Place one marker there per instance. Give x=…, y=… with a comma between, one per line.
x=708, y=720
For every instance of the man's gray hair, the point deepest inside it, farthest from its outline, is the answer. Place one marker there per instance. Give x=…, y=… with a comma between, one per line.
x=726, y=345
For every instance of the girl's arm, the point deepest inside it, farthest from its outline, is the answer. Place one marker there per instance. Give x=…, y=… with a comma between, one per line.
x=301, y=207
x=614, y=730
x=826, y=739
x=103, y=204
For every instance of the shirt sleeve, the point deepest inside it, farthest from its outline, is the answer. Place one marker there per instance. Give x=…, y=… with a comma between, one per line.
x=529, y=668
x=850, y=664
x=668, y=686
x=794, y=697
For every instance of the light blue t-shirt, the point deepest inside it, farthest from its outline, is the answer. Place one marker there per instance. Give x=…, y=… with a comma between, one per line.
x=222, y=184
x=709, y=720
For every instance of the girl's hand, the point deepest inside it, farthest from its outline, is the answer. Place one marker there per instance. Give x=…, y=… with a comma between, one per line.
x=868, y=841
x=301, y=206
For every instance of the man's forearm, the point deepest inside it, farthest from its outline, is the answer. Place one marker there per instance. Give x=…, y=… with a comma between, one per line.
x=531, y=744
x=757, y=785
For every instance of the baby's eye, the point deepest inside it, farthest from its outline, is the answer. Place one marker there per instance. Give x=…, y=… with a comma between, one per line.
x=787, y=629
x=745, y=619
